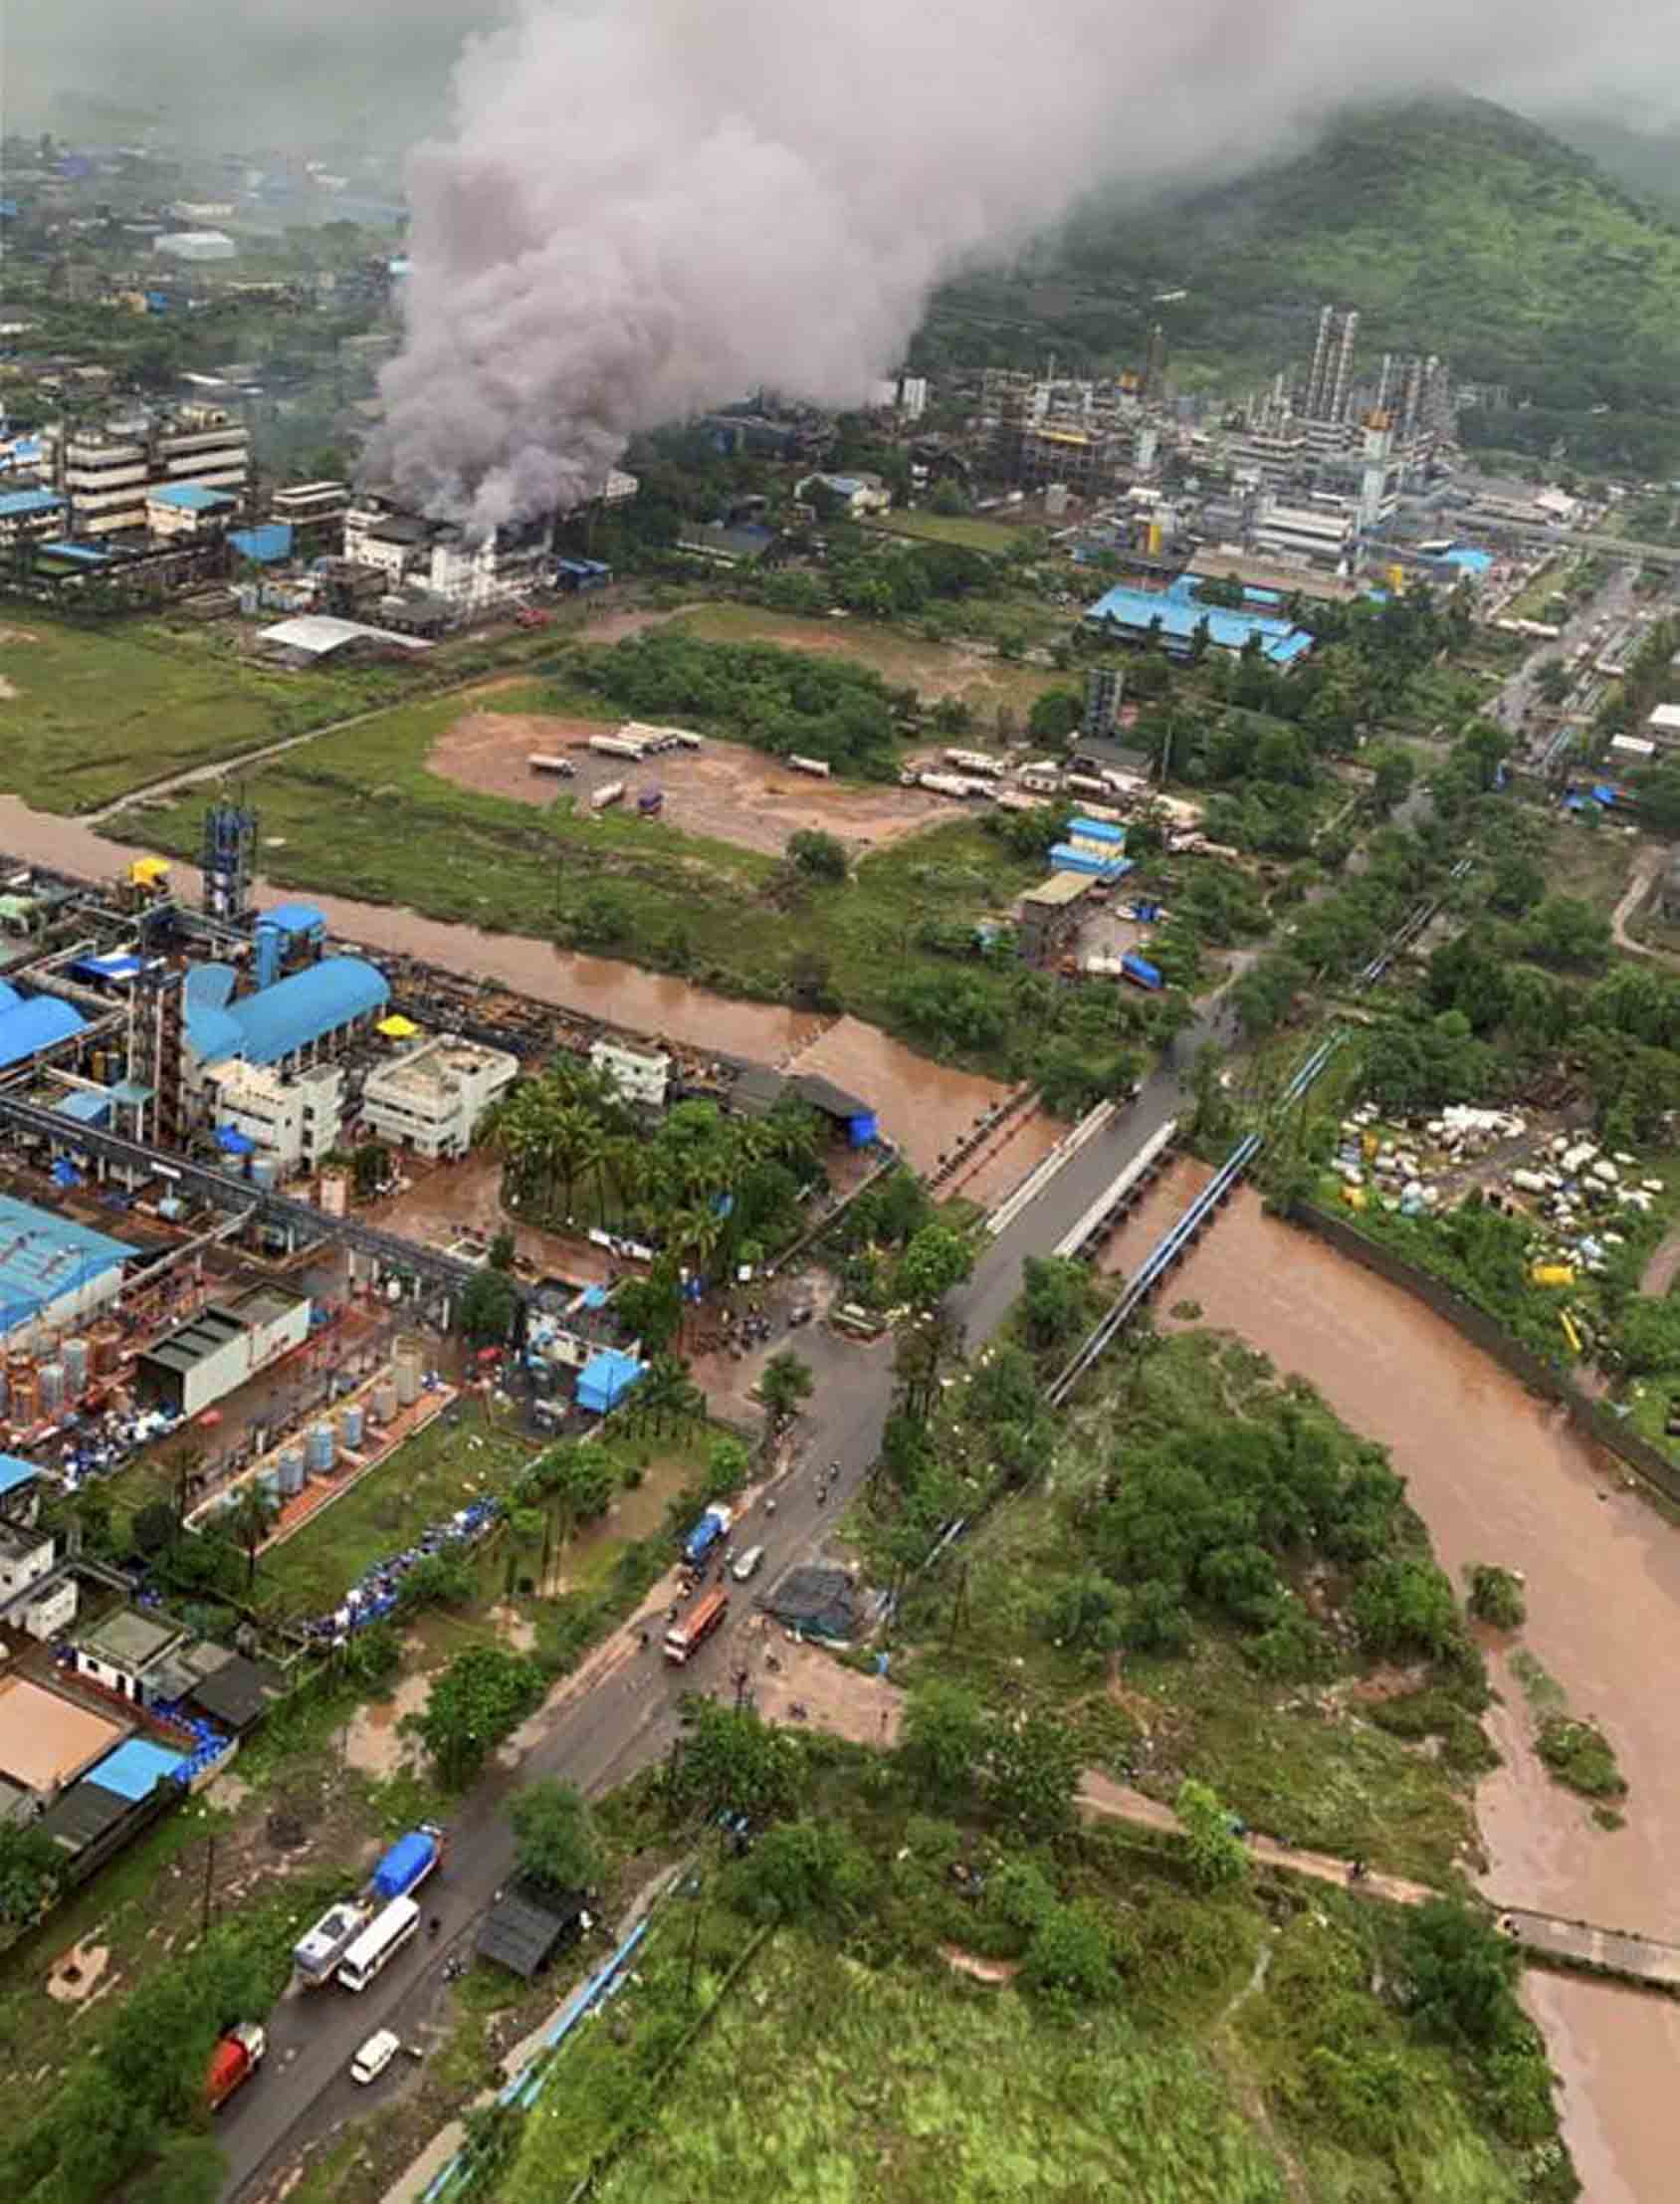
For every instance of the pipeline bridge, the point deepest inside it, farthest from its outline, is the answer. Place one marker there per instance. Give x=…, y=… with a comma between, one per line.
x=403, y=1258
x=1183, y=1234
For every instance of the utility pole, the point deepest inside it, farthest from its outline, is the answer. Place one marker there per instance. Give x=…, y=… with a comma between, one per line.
x=209, y=1884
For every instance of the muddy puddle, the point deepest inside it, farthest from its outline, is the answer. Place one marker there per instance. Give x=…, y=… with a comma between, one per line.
x=1498, y=1476
x=376, y=1741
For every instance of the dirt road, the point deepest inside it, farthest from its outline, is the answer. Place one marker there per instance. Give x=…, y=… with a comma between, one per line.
x=1646, y=866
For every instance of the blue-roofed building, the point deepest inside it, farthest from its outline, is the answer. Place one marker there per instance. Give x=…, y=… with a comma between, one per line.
x=605, y=1379
x=301, y=1019
x=268, y=546
x=34, y=1023
x=86, y=1105
x=1131, y=614
x=15, y=1477
x=27, y=513
x=53, y=1271
x=186, y=509
x=76, y=555
x=135, y=1769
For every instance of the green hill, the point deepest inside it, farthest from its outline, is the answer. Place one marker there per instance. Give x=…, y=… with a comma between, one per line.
x=1456, y=228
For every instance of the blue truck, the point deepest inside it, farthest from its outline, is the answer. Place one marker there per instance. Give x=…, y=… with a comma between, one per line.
x=1141, y=973
x=399, y=1875
x=713, y=1525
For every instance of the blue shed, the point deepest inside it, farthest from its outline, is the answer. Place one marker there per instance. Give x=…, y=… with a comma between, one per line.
x=605, y=1379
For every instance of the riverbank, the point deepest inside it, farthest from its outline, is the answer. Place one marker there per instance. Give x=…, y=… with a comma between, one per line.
x=1498, y=1475
x=922, y=1105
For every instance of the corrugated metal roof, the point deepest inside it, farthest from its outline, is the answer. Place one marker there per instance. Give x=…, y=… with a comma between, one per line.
x=293, y=917
x=192, y=497
x=35, y=1024
x=265, y=1027
x=15, y=502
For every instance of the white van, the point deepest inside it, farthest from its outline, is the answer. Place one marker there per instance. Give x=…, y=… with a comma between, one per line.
x=748, y=1564
x=374, y=2056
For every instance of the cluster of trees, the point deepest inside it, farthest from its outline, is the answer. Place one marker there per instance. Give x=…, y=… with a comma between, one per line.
x=1333, y=937
x=708, y=1191
x=905, y=580
x=1214, y=1513
x=780, y=701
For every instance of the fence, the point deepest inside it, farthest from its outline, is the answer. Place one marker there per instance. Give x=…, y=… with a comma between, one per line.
x=1593, y=1422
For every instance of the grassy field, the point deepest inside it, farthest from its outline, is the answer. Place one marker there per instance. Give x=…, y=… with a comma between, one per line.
x=86, y=714
x=935, y=669
x=972, y=531
x=829, y=2081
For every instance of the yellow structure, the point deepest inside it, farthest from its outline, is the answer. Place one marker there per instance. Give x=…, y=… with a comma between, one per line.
x=1552, y=1274
x=149, y=872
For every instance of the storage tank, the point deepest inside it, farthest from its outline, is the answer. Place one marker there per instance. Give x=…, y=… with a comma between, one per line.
x=265, y=1172
x=334, y=1193
x=291, y=1472
x=384, y=1403
x=349, y=1426
x=25, y=1394
x=106, y=1342
x=4, y=1396
x=319, y=1449
x=51, y=1388
x=77, y=1366
x=408, y=1368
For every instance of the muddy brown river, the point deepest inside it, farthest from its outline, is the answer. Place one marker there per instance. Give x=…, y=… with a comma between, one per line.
x=923, y=1106
x=1498, y=1476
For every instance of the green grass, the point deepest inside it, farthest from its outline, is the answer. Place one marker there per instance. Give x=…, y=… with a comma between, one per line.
x=422, y=1483
x=935, y=669
x=972, y=531
x=824, y=2080
x=100, y=711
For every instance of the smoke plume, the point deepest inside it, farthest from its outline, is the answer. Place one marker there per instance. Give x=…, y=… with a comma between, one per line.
x=652, y=206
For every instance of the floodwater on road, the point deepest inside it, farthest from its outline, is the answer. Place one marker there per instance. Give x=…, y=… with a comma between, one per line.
x=1499, y=1477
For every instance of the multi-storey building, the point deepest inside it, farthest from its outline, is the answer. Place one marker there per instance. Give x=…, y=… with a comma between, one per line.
x=107, y=474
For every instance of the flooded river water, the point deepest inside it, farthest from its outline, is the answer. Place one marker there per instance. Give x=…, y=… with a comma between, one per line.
x=1498, y=1476
x=923, y=1106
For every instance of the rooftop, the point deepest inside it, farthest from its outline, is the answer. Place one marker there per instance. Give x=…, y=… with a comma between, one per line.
x=126, y=1639
x=135, y=1769
x=317, y=634
x=190, y=497
x=293, y=917
x=47, y=1739
x=34, y=1024
x=1138, y=610
x=15, y=503
x=436, y=1067
x=275, y=1021
x=1061, y=888
x=44, y=1256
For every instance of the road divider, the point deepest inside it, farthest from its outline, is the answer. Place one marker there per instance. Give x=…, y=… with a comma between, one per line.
x=1105, y=1212
x=1040, y=1176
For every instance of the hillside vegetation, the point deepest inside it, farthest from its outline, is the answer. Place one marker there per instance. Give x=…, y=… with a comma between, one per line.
x=1456, y=228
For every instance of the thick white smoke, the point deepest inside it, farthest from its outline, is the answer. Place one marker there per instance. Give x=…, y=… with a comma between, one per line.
x=652, y=206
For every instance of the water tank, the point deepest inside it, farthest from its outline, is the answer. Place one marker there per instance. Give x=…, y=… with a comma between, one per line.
x=384, y=1403
x=349, y=1427
x=265, y=1172
x=51, y=1375
x=77, y=1367
x=407, y=1370
x=319, y=1449
x=106, y=1345
x=291, y=1470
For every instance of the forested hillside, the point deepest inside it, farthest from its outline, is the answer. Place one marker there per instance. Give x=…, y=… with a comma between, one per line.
x=1455, y=228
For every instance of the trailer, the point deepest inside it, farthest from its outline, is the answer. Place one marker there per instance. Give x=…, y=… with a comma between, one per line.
x=542, y=762
x=619, y=746
x=316, y=1954
x=1141, y=973
x=608, y=793
x=713, y=1525
x=684, y=1639
x=816, y=767
x=1043, y=776
x=977, y=761
x=408, y=1862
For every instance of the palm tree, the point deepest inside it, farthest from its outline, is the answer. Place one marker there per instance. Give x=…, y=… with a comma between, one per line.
x=621, y=1165
x=660, y=1391
x=249, y=1521
x=786, y=1381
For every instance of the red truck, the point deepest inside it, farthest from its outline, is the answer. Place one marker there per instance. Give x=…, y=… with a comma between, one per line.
x=234, y=2060
x=684, y=1639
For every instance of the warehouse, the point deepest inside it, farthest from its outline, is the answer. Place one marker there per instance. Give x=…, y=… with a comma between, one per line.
x=1172, y=618
x=53, y=1271
x=300, y=1019
x=224, y=1344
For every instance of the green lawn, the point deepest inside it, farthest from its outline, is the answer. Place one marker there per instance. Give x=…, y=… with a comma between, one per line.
x=90, y=713
x=972, y=530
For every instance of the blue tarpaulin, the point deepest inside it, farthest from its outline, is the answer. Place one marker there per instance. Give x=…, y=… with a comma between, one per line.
x=135, y=1769
x=232, y=1141
x=605, y=1379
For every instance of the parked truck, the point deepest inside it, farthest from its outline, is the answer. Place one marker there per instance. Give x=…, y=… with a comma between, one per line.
x=1141, y=973
x=408, y=1862
x=234, y=2060
x=618, y=745
x=684, y=1639
x=315, y=1955
x=608, y=793
x=713, y=1525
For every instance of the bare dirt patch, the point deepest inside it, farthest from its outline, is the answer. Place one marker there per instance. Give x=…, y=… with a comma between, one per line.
x=375, y=1742
x=865, y=1709
x=74, y=1977
x=18, y=635
x=8, y=691
x=726, y=792
x=978, y=1969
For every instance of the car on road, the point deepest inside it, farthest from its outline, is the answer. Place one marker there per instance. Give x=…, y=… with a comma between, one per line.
x=374, y=2056
x=749, y=1564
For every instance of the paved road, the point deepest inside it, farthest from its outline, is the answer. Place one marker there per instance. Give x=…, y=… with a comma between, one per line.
x=1614, y=601
x=619, y=1715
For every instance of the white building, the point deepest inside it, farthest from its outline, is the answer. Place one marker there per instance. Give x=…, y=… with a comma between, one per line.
x=858, y=495
x=186, y=509
x=640, y=1075
x=26, y=1556
x=1663, y=726
x=913, y=397
x=292, y=1117
x=430, y=1100
x=1319, y=535
x=195, y=245
x=201, y=1362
